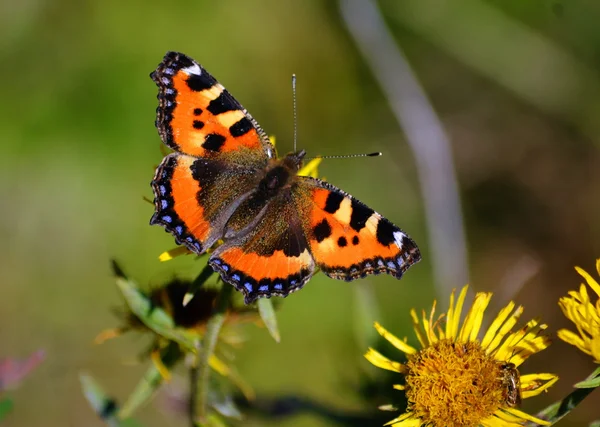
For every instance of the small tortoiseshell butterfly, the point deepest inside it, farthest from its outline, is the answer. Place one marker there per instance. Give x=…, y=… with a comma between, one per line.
x=224, y=181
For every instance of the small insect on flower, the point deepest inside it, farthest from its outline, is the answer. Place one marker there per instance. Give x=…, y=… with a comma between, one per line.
x=511, y=381
x=458, y=379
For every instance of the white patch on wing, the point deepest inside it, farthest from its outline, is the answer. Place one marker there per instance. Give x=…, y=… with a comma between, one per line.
x=194, y=69
x=398, y=236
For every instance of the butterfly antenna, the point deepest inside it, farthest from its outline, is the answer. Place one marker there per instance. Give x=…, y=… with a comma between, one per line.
x=348, y=156
x=295, y=111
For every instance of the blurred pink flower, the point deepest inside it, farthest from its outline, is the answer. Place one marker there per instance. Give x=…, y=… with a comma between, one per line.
x=13, y=371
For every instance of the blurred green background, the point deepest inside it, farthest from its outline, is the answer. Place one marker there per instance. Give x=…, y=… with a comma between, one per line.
x=514, y=82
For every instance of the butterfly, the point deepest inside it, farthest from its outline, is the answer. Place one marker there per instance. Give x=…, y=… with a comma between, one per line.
x=223, y=181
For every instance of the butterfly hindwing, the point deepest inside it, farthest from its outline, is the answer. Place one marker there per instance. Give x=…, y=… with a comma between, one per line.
x=270, y=256
x=349, y=240
x=198, y=116
x=194, y=197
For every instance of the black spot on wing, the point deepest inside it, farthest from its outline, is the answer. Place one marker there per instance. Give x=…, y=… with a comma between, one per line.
x=198, y=111
x=342, y=242
x=179, y=59
x=222, y=103
x=360, y=215
x=242, y=127
x=213, y=142
x=322, y=230
x=292, y=242
x=206, y=172
x=355, y=240
x=198, y=124
x=332, y=204
x=201, y=82
x=385, y=232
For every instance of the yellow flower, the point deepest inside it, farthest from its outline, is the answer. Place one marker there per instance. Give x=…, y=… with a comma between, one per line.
x=456, y=379
x=580, y=310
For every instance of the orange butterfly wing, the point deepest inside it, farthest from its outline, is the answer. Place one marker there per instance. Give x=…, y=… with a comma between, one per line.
x=219, y=148
x=349, y=240
x=311, y=224
x=196, y=115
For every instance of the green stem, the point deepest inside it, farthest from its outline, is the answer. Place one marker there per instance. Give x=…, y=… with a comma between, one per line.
x=193, y=392
x=213, y=327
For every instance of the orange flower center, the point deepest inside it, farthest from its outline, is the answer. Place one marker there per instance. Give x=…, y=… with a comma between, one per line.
x=452, y=384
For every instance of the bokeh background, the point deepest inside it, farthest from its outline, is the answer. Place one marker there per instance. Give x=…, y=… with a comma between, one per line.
x=515, y=87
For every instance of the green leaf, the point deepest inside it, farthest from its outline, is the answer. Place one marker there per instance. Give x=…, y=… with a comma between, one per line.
x=558, y=410
x=592, y=381
x=151, y=381
x=104, y=406
x=153, y=317
x=595, y=423
x=6, y=406
x=267, y=314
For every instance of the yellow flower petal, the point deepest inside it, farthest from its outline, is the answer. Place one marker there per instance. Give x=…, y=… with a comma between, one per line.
x=310, y=169
x=525, y=341
x=404, y=420
x=108, y=334
x=169, y=255
x=572, y=338
x=589, y=279
x=505, y=329
x=595, y=348
x=417, y=328
x=496, y=324
x=472, y=322
x=399, y=344
x=428, y=325
x=218, y=365
x=457, y=312
x=585, y=314
x=383, y=362
x=159, y=365
x=534, y=384
x=450, y=316
x=520, y=416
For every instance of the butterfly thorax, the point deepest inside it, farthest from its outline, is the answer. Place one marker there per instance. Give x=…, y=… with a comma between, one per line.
x=277, y=181
x=280, y=172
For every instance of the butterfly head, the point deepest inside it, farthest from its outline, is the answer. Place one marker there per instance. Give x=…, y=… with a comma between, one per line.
x=294, y=160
